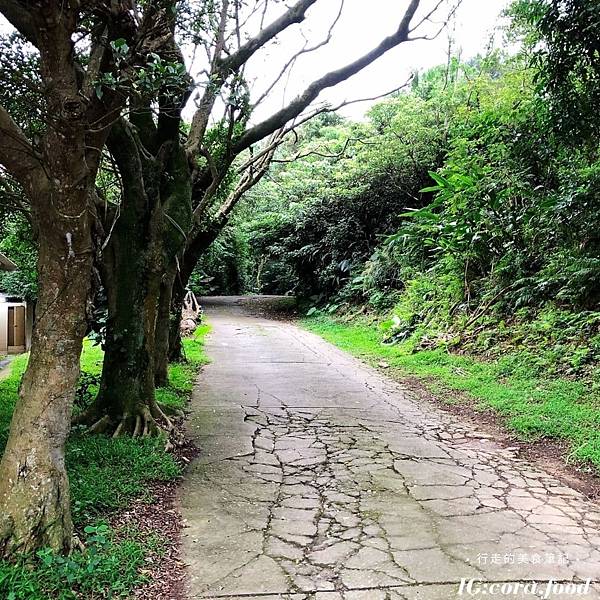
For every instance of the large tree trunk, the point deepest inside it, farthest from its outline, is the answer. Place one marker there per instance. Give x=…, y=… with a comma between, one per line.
x=126, y=402
x=175, y=351
x=144, y=238
x=163, y=322
x=34, y=489
x=132, y=270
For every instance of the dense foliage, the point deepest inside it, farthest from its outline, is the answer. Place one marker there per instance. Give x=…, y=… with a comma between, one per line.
x=19, y=245
x=563, y=38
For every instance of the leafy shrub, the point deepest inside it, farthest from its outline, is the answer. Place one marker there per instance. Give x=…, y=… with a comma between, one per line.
x=107, y=568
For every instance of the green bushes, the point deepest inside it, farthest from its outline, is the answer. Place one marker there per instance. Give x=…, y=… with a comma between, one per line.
x=223, y=269
x=19, y=245
x=311, y=225
x=503, y=254
x=107, y=569
x=462, y=181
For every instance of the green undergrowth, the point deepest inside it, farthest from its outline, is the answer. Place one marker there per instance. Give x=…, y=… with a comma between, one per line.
x=182, y=375
x=531, y=404
x=109, y=568
x=105, y=474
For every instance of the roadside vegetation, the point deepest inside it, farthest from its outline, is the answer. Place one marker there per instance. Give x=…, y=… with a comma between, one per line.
x=129, y=132
x=105, y=475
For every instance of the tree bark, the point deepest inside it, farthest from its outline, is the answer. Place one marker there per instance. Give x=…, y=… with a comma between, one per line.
x=146, y=236
x=175, y=351
x=58, y=179
x=131, y=269
x=163, y=326
x=34, y=488
x=126, y=402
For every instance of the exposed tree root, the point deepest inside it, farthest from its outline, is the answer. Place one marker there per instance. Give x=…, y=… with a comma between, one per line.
x=158, y=413
x=78, y=544
x=150, y=420
x=101, y=425
x=88, y=417
x=171, y=410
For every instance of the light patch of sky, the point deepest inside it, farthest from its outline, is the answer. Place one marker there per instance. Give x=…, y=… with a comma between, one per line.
x=363, y=24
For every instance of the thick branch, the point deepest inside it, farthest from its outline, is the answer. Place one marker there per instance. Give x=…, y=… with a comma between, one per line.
x=296, y=14
x=306, y=49
x=16, y=153
x=125, y=149
x=333, y=78
x=20, y=18
x=223, y=67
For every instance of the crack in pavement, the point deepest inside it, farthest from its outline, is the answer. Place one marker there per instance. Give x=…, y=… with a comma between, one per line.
x=321, y=478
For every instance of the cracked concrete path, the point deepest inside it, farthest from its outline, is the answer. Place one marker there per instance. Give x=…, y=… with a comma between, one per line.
x=321, y=479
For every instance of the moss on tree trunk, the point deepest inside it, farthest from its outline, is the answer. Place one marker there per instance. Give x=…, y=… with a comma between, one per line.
x=126, y=403
x=148, y=233
x=175, y=345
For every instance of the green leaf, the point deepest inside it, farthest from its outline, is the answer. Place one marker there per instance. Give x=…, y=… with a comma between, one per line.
x=440, y=180
x=431, y=188
x=120, y=46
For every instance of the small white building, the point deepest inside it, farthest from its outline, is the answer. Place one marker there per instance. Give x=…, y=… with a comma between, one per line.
x=16, y=318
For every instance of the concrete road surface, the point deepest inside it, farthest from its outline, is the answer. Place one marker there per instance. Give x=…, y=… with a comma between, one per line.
x=322, y=479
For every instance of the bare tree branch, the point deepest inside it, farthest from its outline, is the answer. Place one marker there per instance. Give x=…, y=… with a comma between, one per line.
x=369, y=98
x=20, y=18
x=442, y=24
x=247, y=181
x=295, y=14
x=428, y=16
x=306, y=49
x=328, y=80
x=321, y=154
x=301, y=119
x=223, y=67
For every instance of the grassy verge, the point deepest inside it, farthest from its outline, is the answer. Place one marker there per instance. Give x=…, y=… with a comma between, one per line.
x=530, y=405
x=105, y=475
x=183, y=375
